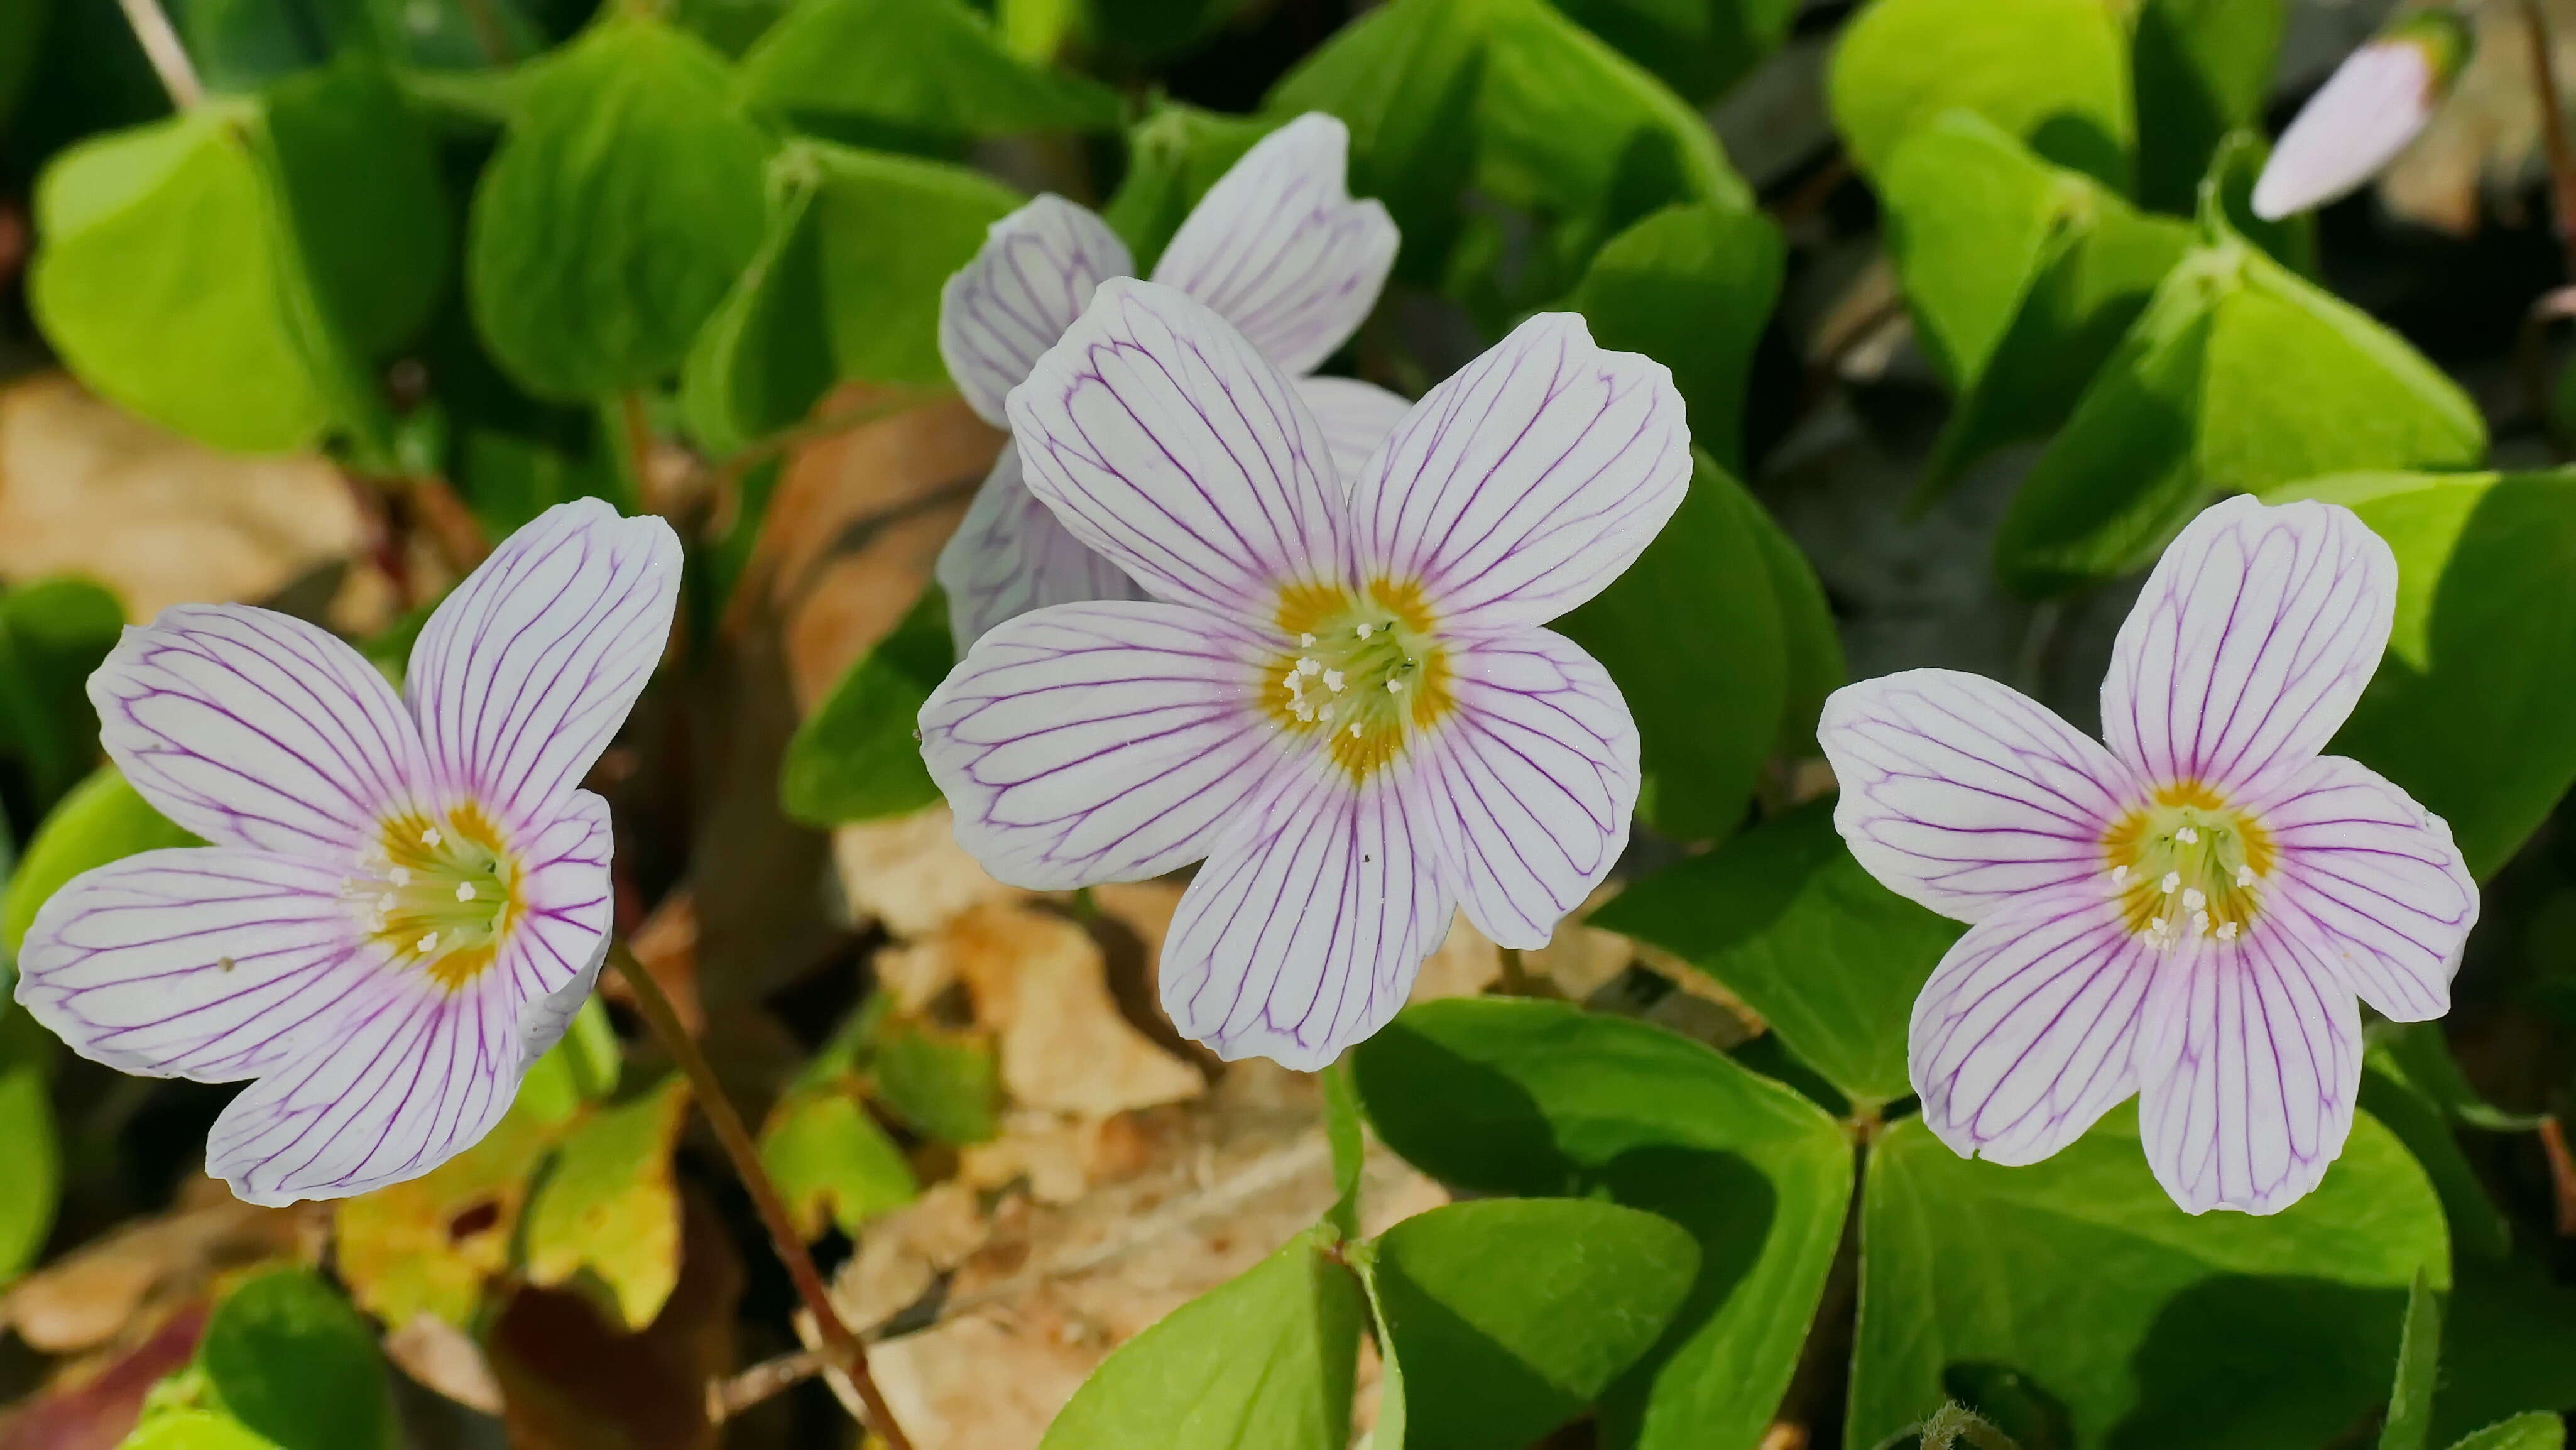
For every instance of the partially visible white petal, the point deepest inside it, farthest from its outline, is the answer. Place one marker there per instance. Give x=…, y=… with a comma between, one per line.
x=524, y=674
x=1164, y=440
x=1356, y=417
x=1962, y=794
x=415, y=1075
x=1099, y=742
x=1001, y=312
x=2022, y=1039
x=1526, y=482
x=2374, y=104
x=2386, y=896
x=1011, y=555
x=1531, y=782
x=2253, y=638
x=1303, y=933
x=214, y=963
x=555, y=948
x=252, y=728
x=2248, y=1064
x=1279, y=248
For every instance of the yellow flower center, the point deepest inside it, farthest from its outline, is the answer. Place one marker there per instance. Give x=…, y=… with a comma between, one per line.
x=2188, y=864
x=440, y=893
x=1360, y=668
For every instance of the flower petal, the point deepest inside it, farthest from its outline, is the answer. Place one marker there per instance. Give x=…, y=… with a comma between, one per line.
x=1529, y=480
x=1279, y=248
x=1961, y=793
x=1033, y=276
x=2248, y=1063
x=553, y=956
x=2255, y=635
x=1303, y=934
x=1356, y=417
x=1096, y=742
x=1530, y=783
x=2374, y=104
x=1011, y=555
x=2383, y=893
x=523, y=674
x=414, y=1076
x=2023, y=1036
x=1164, y=441
x=214, y=963
x=252, y=728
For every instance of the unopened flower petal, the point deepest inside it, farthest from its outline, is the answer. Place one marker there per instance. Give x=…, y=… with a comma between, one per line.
x=1536, y=778
x=252, y=728
x=214, y=963
x=1033, y=276
x=2374, y=104
x=1356, y=418
x=1108, y=741
x=1304, y=931
x=1526, y=482
x=1011, y=554
x=2250, y=644
x=1278, y=247
x=1165, y=441
x=524, y=673
x=2021, y=1040
x=2367, y=867
x=2248, y=1065
x=1964, y=794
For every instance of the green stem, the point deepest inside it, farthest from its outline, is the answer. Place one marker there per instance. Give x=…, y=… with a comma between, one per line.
x=160, y=42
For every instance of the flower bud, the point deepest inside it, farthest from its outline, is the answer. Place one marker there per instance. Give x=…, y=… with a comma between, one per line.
x=2367, y=111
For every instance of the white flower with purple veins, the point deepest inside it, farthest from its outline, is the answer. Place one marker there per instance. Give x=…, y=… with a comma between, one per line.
x=2189, y=914
x=406, y=898
x=1340, y=695
x=1277, y=247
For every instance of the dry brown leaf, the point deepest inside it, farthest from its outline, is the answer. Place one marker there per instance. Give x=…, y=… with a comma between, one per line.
x=87, y=489
x=1465, y=964
x=93, y=1404
x=1039, y=981
x=88, y=1297
x=2486, y=134
x=1579, y=959
x=1045, y=1292
x=666, y=942
x=910, y=873
x=441, y=1357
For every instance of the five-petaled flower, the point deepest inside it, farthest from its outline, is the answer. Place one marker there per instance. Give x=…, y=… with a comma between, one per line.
x=1340, y=696
x=2189, y=914
x=1277, y=247
x=406, y=898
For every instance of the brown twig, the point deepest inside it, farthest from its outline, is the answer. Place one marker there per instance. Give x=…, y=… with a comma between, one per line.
x=2562, y=1173
x=2553, y=134
x=841, y=1348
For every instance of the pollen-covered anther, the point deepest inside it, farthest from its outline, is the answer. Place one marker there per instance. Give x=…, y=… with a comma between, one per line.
x=2187, y=856
x=2171, y=882
x=438, y=897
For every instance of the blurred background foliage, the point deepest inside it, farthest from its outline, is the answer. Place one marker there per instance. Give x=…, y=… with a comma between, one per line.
x=1969, y=314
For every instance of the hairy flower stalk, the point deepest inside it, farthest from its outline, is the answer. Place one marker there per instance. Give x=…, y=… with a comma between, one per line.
x=2189, y=914
x=1340, y=696
x=2368, y=111
x=406, y=897
x=1277, y=247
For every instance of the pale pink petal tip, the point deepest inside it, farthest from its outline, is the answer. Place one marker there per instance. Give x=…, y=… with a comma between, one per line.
x=2367, y=112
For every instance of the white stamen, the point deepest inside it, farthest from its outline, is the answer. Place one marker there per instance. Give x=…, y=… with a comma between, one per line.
x=2119, y=875
x=465, y=891
x=2227, y=931
x=2200, y=923
x=1367, y=629
x=2171, y=884
x=1309, y=666
x=2244, y=875
x=1333, y=681
x=2192, y=900
x=2157, y=926
x=1395, y=687
x=1355, y=730
x=2187, y=836
x=1306, y=641
x=386, y=903
x=400, y=876
x=427, y=944
x=431, y=837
